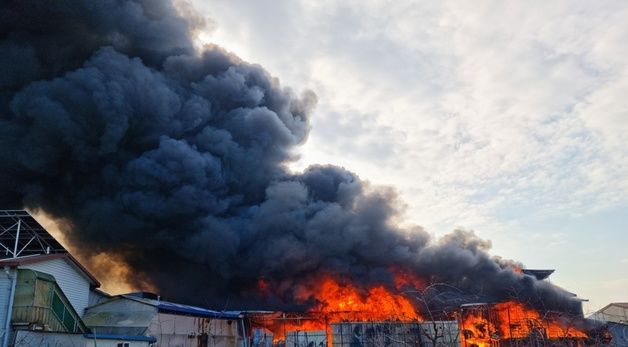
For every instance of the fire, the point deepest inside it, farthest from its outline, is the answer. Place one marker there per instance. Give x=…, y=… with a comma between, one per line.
x=338, y=301
x=484, y=325
x=376, y=303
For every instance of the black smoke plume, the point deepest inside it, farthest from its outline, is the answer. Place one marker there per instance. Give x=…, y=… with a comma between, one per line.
x=174, y=160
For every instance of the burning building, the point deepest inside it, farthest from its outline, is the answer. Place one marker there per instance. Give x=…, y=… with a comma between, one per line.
x=145, y=146
x=416, y=314
x=174, y=161
x=513, y=324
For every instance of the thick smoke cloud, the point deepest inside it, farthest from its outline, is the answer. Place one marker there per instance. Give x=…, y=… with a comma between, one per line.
x=174, y=160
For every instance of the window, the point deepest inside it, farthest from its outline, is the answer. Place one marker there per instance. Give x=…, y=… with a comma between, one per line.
x=123, y=344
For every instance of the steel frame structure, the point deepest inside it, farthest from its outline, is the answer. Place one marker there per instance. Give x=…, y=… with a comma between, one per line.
x=21, y=235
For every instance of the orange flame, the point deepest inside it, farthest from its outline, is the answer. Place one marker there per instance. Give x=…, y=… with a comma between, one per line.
x=376, y=303
x=338, y=301
x=484, y=326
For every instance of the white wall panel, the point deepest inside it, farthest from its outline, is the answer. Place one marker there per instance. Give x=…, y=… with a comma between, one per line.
x=5, y=291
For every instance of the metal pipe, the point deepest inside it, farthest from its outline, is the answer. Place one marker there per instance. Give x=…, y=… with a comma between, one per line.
x=7, y=326
x=17, y=238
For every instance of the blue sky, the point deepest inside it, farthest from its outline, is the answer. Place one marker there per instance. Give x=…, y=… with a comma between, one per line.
x=508, y=118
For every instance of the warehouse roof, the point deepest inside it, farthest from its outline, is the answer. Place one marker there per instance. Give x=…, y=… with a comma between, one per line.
x=176, y=308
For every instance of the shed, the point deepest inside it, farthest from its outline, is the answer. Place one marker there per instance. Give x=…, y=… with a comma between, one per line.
x=170, y=323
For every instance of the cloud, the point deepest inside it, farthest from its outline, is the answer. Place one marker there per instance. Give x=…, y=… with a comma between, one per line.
x=489, y=115
x=517, y=97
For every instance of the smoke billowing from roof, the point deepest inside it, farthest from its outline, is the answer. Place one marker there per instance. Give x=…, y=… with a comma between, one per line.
x=174, y=160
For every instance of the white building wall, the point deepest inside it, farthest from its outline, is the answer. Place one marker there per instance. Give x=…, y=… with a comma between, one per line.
x=188, y=331
x=5, y=291
x=73, y=283
x=26, y=338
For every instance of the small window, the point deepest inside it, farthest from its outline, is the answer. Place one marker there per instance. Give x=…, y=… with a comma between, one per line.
x=123, y=344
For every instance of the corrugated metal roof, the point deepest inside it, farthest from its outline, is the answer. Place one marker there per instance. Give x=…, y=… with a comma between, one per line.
x=171, y=307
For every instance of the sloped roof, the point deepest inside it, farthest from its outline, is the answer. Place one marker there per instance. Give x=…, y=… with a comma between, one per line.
x=176, y=308
x=38, y=258
x=118, y=316
x=619, y=304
